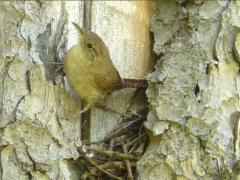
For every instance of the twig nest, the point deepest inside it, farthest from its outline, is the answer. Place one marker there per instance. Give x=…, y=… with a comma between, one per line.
x=236, y=47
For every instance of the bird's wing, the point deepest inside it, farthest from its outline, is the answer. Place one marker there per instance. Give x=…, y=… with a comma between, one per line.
x=108, y=82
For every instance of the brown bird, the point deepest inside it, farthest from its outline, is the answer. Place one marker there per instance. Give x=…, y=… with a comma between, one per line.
x=90, y=71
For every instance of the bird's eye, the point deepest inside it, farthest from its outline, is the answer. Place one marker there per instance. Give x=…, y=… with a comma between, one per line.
x=89, y=45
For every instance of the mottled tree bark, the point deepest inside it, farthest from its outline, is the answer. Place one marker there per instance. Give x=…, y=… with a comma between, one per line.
x=39, y=133
x=194, y=92
x=39, y=129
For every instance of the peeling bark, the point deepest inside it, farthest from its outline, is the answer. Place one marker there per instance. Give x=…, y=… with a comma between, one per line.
x=38, y=126
x=39, y=129
x=193, y=94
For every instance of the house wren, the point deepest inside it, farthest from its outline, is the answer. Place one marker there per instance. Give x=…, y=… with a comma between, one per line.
x=90, y=71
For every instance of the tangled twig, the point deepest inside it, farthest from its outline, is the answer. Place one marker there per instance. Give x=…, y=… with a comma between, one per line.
x=117, y=154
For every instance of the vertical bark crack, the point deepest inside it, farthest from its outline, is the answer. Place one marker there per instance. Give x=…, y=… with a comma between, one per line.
x=2, y=89
x=29, y=156
x=215, y=56
x=50, y=55
x=87, y=25
x=7, y=62
x=14, y=112
x=87, y=15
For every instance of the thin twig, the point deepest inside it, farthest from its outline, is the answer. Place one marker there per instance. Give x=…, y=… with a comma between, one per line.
x=129, y=170
x=116, y=164
x=111, y=164
x=134, y=147
x=111, y=144
x=88, y=175
x=112, y=153
x=105, y=108
x=121, y=128
x=140, y=149
x=97, y=166
x=136, y=139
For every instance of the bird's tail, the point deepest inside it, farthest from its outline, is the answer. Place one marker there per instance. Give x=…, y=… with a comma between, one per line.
x=134, y=83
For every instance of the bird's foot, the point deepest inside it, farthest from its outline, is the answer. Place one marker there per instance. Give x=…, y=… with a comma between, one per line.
x=105, y=108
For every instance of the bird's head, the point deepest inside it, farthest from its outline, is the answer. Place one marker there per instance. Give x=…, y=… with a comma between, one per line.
x=92, y=45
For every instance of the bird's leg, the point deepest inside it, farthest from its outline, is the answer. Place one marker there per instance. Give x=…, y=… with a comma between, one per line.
x=105, y=108
x=86, y=108
x=127, y=113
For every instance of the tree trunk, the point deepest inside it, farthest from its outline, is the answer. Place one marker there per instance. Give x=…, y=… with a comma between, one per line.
x=39, y=132
x=39, y=129
x=193, y=93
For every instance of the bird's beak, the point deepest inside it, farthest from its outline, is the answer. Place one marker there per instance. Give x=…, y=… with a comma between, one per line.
x=80, y=31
